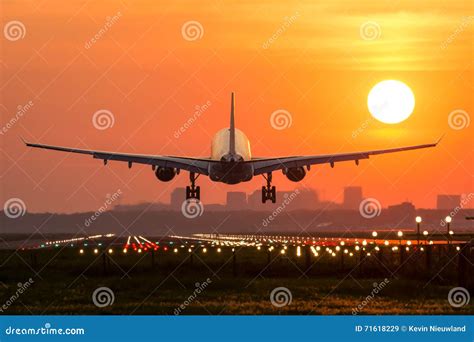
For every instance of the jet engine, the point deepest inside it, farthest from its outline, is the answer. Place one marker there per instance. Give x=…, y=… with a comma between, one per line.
x=295, y=174
x=165, y=174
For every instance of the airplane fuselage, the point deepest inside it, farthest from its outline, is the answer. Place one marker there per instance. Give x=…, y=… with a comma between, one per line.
x=231, y=169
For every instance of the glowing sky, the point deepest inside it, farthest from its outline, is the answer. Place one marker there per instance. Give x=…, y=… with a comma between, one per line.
x=317, y=61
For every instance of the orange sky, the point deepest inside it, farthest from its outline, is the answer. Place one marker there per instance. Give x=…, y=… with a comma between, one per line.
x=319, y=66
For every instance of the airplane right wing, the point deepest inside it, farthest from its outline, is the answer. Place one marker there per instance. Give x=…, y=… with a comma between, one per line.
x=265, y=165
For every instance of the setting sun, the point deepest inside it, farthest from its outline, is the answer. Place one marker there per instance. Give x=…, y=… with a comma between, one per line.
x=391, y=101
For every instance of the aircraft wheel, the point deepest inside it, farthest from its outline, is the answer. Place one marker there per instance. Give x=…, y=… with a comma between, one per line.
x=264, y=194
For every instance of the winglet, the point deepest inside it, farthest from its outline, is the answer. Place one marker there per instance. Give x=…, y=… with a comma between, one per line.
x=440, y=138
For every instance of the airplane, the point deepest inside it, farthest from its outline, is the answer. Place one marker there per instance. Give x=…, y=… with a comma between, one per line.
x=231, y=161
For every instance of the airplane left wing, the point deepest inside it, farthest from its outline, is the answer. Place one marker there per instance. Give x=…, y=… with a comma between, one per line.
x=265, y=165
x=196, y=165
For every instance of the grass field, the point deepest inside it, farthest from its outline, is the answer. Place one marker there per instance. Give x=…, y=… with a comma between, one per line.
x=64, y=281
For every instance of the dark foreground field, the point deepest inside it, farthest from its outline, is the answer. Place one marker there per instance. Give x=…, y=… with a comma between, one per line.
x=165, y=282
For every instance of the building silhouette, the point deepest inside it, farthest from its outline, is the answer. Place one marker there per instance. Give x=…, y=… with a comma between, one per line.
x=352, y=197
x=403, y=213
x=177, y=198
x=448, y=202
x=236, y=200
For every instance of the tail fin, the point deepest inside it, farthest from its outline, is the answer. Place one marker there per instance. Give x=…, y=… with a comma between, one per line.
x=232, y=127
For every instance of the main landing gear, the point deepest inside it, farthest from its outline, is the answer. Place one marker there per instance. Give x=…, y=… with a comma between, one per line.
x=193, y=191
x=269, y=191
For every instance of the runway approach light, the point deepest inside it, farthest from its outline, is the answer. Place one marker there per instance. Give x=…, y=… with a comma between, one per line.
x=448, y=219
x=418, y=219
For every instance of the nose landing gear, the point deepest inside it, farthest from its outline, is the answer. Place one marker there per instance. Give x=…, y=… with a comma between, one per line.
x=269, y=191
x=193, y=191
